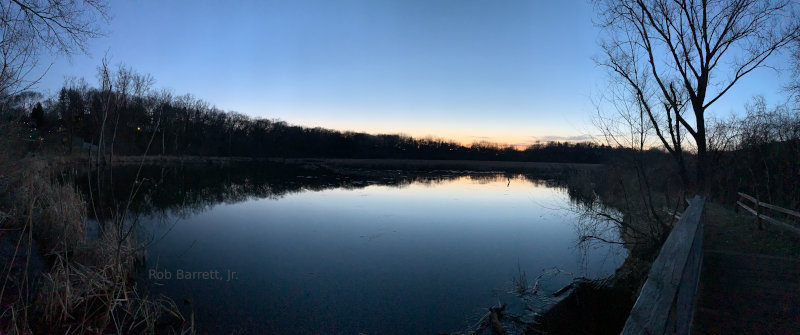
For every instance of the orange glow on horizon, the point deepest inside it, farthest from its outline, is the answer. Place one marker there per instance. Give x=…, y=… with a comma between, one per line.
x=518, y=136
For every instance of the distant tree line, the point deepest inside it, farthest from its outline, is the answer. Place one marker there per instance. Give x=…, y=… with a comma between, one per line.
x=126, y=116
x=756, y=153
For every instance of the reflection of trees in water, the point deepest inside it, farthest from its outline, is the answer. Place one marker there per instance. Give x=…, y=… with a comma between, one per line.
x=596, y=227
x=186, y=189
x=192, y=188
x=172, y=192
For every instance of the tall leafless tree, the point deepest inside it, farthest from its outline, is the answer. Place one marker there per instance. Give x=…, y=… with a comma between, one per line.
x=794, y=86
x=679, y=56
x=29, y=28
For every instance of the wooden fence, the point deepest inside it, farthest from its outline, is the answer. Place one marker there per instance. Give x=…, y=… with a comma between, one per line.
x=666, y=303
x=756, y=210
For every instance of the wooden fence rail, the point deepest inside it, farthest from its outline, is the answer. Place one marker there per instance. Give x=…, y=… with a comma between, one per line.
x=666, y=303
x=755, y=210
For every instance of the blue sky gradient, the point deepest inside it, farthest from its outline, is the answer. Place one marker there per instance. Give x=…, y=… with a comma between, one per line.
x=503, y=71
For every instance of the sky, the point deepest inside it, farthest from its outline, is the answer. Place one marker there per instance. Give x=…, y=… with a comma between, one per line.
x=509, y=72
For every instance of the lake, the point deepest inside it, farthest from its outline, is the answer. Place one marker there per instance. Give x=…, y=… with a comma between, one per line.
x=271, y=248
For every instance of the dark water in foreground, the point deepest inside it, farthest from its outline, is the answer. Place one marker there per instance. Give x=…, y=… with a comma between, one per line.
x=265, y=249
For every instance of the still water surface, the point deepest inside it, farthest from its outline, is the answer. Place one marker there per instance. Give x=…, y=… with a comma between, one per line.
x=313, y=253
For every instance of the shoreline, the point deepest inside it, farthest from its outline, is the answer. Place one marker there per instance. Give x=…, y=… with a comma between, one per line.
x=378, y=163
x=338, y=165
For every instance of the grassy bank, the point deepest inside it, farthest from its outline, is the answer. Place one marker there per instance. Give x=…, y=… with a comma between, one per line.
x=55, y=279
x=728, y=230
x=617, y=206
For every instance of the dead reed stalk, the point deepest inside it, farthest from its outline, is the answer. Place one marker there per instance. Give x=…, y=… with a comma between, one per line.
x=86, y=285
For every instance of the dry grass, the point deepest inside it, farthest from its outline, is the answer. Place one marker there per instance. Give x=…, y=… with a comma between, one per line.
x=85, y=286
x=724, y=229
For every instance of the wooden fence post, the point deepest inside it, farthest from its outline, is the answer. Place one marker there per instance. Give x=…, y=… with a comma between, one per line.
x=793, y=215
x=758, y=217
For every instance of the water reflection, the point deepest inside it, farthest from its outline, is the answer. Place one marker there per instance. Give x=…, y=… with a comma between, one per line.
x=262, y=248
x=193, y=188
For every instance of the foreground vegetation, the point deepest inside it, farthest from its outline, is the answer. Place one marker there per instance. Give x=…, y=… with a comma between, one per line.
x=55, y=277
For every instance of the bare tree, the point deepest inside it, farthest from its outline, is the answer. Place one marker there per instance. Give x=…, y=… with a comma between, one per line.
x=794, y=86
x=679, y=56
x=29, y=28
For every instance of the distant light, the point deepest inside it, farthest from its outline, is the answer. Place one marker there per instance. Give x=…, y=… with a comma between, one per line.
x=138, y=128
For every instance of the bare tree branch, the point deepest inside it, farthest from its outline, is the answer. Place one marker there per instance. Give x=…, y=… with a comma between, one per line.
x=29, y=28
x=682, y=45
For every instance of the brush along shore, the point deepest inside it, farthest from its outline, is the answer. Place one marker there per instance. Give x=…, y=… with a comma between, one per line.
x=55, y=279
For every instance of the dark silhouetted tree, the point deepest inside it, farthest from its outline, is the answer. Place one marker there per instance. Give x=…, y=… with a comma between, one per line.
x=679, y=56
x=37, y=116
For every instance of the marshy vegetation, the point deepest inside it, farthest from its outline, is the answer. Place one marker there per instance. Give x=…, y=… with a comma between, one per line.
x=74, y=251
x=56, y=278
